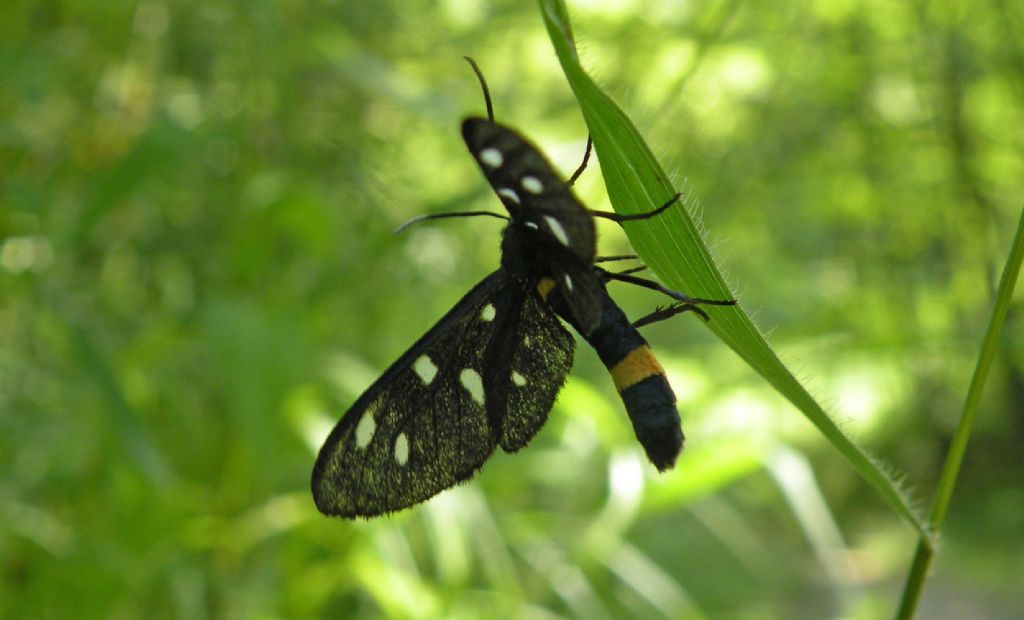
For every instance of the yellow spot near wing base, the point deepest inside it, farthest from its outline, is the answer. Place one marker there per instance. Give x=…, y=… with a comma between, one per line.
x=639, y=364
x=544, y=287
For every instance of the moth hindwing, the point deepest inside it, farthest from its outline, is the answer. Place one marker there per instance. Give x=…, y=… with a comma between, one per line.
x=485, y=375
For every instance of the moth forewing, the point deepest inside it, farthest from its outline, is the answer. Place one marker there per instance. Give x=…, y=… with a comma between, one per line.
x=528, y=186
x=486, y=374
x=422, y=426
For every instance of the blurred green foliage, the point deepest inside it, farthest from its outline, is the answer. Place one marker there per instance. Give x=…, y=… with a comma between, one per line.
x=197, y=276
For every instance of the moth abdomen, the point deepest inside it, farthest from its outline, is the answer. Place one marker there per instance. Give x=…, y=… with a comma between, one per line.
x=640, y=381
x=651, y=406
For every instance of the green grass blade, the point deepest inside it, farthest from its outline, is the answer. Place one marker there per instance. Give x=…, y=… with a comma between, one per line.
x=951, y=469
x=672, y=247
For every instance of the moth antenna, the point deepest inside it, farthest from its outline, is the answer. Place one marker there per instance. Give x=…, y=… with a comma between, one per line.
x=438, y=216
x=483, y=85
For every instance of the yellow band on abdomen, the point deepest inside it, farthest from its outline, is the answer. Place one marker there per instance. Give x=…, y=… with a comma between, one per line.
x=639, y=364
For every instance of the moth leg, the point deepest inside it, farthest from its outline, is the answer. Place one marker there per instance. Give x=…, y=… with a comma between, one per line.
x=626, y=272
x=654, y=286
x=605, y=259
x=618, y=217
x=583, y=165
x=608, y=259
x=660, y=314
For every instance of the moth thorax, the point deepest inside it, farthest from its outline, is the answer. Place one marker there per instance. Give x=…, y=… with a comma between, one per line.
x=522, y=252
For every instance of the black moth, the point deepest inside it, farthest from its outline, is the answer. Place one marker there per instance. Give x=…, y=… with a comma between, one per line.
x=488, y=373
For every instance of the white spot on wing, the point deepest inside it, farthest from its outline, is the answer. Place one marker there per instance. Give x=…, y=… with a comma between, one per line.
x=557, y=230
x=365, y=429
x=491, y=157
x=518, y=379
x=488, y=312
x=532, y=225
x=401, y=449
x=568, y=282
x=532, y=185
x=511, y=194
x=425, y=369
x=470, y=380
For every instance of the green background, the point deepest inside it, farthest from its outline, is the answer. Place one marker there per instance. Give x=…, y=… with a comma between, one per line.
x=197, y=276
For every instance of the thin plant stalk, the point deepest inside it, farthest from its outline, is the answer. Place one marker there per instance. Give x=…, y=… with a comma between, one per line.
x=954, y=459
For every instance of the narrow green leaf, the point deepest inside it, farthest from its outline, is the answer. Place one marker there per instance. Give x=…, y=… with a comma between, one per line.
x=672, y=247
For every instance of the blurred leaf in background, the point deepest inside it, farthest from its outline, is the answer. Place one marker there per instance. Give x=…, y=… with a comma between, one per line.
x=197, y=277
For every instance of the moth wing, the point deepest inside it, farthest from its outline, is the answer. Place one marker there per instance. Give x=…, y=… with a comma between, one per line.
x=582, y=291
x=422, y=426
x=540, y=202
x=529, y=187
x=527, y=363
